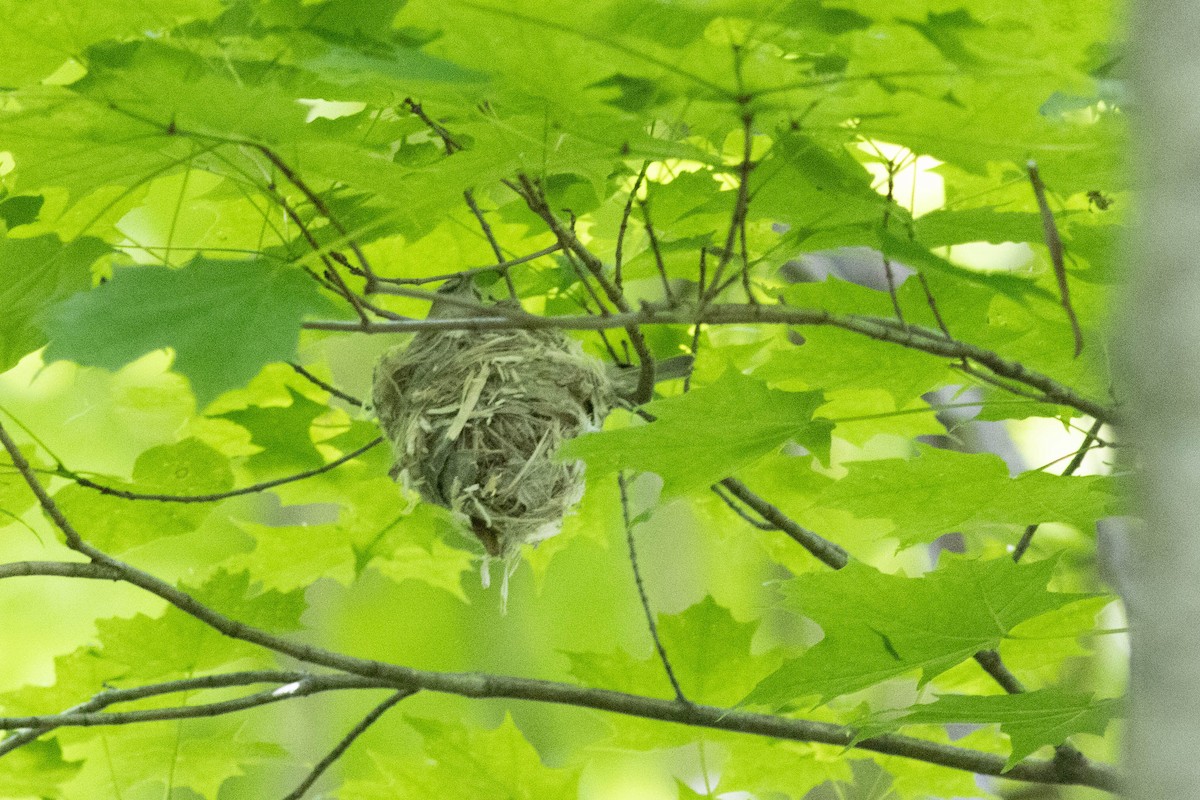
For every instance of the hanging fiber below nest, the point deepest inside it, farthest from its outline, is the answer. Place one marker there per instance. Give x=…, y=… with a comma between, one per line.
x=475, y=419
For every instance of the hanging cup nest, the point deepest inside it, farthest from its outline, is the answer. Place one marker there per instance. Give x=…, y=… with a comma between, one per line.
x=475, y=419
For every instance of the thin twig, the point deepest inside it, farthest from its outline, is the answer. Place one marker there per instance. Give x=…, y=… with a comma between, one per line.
x=824, y=550
x=991, y=380
x=582, y=274
x=535, y=199
x=741, y=206
x=503, y=265
x=469, y=196
x=719, y=491
x=322, y=208
x=637, y=577
x=884, y=330
x=331, y=389
x=618, y=256
x=994, y=666
x=110, y=697
x=933, y=306
x=451, y=144
x=887, y=262
x=1055, y=246
x=341, y=747
x=334, y=280
x=657, y=250
x=1076, y=462
x=302, y=688
x=212, y=498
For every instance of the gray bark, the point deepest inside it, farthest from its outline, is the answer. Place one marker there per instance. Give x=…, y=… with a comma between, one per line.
x=1158, y=342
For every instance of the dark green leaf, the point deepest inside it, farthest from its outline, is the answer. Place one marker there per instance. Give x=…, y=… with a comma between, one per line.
x=223, y=319
x=741, y=421
x=880, y=626
x=34, y=274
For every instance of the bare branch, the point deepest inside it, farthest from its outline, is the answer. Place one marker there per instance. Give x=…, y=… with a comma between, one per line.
x=534, y=198
x=741, y=512
x=330, y=388
x=1055, y=246
x=637, y=577
x=737, y=221
x=341, y=747
x=302, y=688
x=1075, y=463
x=469, y=196
x=884, y=330
x=826, y=551
x=448, y=141
x=502, y=265
x=110, y=697
x=479, y=685
x=618, y=256
x=212, y=498
x=658, y=256
x=320, y=205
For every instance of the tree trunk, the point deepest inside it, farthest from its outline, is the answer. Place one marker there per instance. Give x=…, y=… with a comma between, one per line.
x=1158, y=342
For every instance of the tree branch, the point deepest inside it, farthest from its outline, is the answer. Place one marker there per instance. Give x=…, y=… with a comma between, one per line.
x=1076, y=462
x=1055, y=246
x=341, y=747
x=304, y=687
x=212, y=498
x=476, y=685
x=637, y=577
x=826, y=551
x=534, y=198
x=110, y=697
x=497, y=267
x=327, y=387
x=883, y=330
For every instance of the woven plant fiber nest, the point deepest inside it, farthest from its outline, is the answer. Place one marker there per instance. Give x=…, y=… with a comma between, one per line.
x=475, y=419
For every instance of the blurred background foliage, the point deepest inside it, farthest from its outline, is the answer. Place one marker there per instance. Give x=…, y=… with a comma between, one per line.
x=147, y=244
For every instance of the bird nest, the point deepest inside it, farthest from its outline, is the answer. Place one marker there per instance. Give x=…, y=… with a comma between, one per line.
x=475, y=419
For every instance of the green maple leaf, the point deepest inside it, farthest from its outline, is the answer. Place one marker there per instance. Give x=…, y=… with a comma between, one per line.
x=942, y=491
x=880, y=626
x=34, y=274
x=707, y=434
x=467, y=763
x=236, y=595
x=1031, y=720
x=40, y=37
x=200, y=755
x=37, y=770
x=282, y=432
x=224, y=319
x=709, y=651
x=117, y=524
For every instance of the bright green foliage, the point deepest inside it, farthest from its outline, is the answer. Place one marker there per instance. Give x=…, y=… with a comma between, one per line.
x=223, y=319
x=711, y=657
x=880, y=626
x=117, y=524
x=282, y=433
x=743, y=421
x=983, y=494
x=187, y=187
x=461, y=762
x=33, y=274
x=1030, y=720
x=36, y=770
